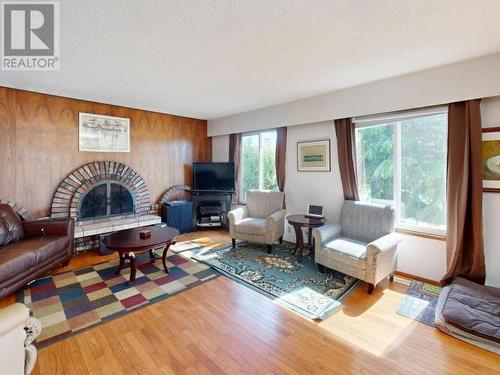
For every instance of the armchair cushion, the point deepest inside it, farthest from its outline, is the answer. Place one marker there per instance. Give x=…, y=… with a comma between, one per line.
x=348, y=247
x=261, y=204
x=252, y=225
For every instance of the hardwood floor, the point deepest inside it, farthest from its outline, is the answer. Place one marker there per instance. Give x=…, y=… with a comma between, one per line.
x=222, y=327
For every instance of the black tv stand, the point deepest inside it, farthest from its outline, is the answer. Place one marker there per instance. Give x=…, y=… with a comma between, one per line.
x=210, y=209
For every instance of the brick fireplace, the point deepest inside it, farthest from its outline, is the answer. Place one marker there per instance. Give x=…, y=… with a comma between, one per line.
x=103, y=197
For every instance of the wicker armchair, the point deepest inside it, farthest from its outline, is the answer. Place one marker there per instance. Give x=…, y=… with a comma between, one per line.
x=362, y=245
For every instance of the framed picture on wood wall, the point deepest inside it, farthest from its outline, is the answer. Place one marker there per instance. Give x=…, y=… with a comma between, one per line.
x=490, y=155
x=313, y=156
x=99, y=133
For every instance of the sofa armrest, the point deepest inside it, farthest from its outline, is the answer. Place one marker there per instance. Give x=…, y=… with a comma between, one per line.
x=51, y=227
x=383, y=244
x=326, y=233
x=237, y=214
x=276, y=216
x=12, y=316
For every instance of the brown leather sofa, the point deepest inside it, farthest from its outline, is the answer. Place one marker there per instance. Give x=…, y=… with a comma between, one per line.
x=31, y=248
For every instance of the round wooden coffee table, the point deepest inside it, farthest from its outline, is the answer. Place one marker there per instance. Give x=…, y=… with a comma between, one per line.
x=301, y=221
x=127, y=243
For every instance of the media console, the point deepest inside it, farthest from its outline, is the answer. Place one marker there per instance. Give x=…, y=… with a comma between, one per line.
x=210, y=209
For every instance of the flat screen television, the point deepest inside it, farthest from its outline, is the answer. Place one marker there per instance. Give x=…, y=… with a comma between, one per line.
x=213, y=177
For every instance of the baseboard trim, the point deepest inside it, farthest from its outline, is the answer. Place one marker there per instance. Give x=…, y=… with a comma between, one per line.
x=417, y=278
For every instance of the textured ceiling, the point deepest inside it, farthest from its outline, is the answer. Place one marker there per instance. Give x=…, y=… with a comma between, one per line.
x=213, y=58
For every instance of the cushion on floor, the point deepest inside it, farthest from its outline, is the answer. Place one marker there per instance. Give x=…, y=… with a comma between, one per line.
x=470, y=312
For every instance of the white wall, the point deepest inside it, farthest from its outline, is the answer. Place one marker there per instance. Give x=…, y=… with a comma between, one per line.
x=490, y=112
x=220, y=148
x=422, y=257
x=303, y=188
x=478, y=78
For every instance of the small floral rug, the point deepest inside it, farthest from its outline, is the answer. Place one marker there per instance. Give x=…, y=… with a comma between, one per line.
x=420, y=302
x=298, y=286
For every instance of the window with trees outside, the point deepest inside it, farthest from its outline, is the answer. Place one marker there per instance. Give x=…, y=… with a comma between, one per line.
x=258, y=169
x=401, y=161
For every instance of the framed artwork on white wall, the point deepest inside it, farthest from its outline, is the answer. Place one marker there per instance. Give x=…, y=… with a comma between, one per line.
x=313, y=156
x=490, y=155
x=99, y=133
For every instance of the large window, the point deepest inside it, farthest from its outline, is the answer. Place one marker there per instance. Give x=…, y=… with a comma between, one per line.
x=401, y=160
x=258, y=169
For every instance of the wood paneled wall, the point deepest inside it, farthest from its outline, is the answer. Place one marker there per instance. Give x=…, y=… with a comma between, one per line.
x=39, y=146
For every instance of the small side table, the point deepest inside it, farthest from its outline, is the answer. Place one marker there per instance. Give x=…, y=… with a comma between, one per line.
x=301, y=221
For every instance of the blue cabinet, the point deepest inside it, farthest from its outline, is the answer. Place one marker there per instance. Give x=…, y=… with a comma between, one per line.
x=178, y=214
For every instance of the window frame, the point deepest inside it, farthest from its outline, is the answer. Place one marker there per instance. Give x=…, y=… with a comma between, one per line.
x=394, y=120
x=261, y=171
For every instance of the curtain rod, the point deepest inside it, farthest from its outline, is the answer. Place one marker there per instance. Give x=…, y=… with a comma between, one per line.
x=400, y=115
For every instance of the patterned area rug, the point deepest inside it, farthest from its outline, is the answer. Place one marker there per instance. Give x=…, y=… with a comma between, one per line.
x=298, y=286
x=420, y=302
x=72, y=301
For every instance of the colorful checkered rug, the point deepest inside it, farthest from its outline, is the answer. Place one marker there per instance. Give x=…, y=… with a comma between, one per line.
x=76, y=300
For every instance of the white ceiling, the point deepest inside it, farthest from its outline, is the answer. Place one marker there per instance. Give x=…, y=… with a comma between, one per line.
x=212, y=58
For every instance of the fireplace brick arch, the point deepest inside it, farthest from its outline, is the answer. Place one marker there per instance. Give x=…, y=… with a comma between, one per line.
x=72, y=188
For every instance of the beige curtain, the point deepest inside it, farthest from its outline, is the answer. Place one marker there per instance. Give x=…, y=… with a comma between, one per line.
x=235, y=157
x=464, y=243
x=280, y=157
x=344, y=128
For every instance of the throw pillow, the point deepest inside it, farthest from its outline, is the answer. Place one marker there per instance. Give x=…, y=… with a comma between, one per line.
x=12, y=222
x=4, y=233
